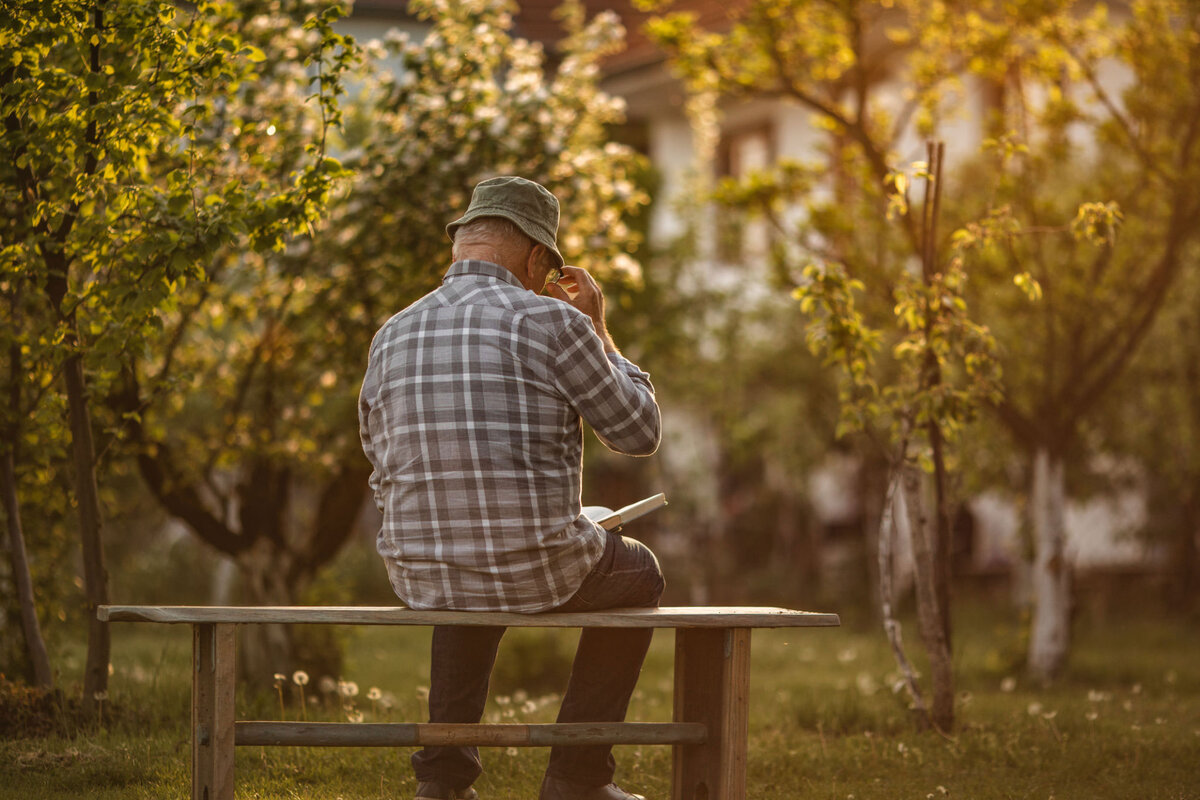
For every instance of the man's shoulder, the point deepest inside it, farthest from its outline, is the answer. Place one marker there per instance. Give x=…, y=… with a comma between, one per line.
x=501, y=307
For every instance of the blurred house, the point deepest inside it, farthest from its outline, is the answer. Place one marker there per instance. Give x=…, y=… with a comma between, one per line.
x=753, y=135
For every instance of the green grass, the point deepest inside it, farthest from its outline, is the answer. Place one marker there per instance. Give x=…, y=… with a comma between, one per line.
x=825, y=723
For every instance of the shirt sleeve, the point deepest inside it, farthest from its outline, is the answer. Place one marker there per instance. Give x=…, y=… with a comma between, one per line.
x=365, y=395
x=609, y=391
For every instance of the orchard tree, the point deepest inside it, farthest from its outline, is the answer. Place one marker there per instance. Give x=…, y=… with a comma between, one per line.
x=114, y=196
x=1068, y=160
x=1154, y=419
x=248, y=425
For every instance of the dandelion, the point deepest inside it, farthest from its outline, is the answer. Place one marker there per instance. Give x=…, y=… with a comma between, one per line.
x=280, y=680
x=327, y=687
x=1136, y=688
x=348, y=689
x=1034, y=708
x=300, y=678
x=100, y=697
x=1098, y=697
x=373, y=694
x=1008, y=684
x=512, y=751
x=1092, y=716
x=354, y=715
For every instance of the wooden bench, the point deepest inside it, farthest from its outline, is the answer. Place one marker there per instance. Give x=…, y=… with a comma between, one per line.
x=711, y=715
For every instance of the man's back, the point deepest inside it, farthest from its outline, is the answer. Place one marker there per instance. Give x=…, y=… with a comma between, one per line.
x=470, y=413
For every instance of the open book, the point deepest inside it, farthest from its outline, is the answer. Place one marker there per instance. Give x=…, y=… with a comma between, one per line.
x=612, y=520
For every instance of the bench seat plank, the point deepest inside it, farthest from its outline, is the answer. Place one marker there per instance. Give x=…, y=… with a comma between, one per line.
x=667, y=617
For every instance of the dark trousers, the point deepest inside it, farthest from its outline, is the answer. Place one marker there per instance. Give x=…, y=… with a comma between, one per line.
x=607, y=664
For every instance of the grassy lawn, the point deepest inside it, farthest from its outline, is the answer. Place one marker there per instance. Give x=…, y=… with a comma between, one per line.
x=825, y=723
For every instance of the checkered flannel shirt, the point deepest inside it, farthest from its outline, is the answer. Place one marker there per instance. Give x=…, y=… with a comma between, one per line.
x=470, y=414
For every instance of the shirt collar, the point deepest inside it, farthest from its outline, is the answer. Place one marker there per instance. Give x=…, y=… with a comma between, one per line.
x=484, y=268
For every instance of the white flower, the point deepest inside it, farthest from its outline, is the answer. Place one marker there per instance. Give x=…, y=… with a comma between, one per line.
x=300, y=677
x=374, y=694
x=348, y=688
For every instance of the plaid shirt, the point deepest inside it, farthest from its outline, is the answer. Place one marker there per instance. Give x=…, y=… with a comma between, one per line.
x=470, y=414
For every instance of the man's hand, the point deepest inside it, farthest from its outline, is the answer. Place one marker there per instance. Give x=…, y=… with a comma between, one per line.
x=579, y=289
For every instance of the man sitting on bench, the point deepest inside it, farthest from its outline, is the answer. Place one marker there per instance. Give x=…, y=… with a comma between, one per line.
x=470, y=414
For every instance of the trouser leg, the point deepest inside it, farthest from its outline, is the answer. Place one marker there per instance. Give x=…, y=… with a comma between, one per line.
x=608, y=660
x=607, y=665
x=461, y=661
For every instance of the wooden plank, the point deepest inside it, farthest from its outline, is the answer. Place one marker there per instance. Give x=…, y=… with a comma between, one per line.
x=668, y=617
x=380, y=734
x=712, y=683
x=212, y=711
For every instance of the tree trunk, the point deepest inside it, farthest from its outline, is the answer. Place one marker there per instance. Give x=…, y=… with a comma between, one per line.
x=892, y=518
x=266, y=649
x=95, y=577
x=1183, y=583
x=35, y=646
x=929, y=614
x=1049, y=639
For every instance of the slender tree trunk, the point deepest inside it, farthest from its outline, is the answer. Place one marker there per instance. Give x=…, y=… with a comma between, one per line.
x=1049, y=639
x=929, y=614
x=35, y=646
x=91, y=523
x=943, y=536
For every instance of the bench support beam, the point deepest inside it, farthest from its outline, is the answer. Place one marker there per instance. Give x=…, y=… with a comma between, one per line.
x=401, y=734
x=712, y=684
x=212, y=711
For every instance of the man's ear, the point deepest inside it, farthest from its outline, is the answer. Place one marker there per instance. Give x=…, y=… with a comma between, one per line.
x=533, y=263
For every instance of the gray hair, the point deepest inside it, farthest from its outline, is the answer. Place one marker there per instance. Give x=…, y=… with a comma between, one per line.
x=498, y=233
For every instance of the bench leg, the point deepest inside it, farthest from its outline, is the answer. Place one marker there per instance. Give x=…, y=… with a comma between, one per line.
x=712, y=681
x=212, y=711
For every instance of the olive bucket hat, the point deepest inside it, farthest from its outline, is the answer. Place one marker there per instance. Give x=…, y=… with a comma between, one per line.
x=528, y=205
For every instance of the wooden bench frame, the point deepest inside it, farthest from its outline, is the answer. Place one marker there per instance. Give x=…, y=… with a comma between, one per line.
x=711, y=702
